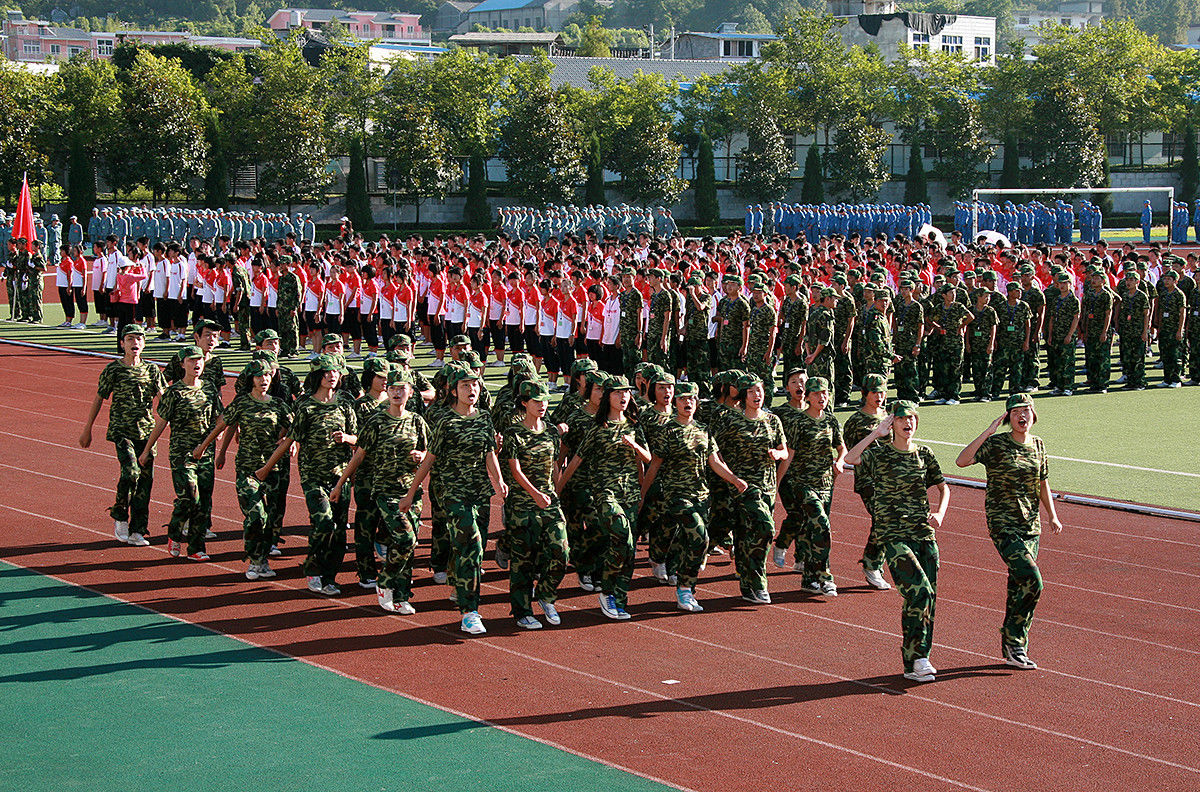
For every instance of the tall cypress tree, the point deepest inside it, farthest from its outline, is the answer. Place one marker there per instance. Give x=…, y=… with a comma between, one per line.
x=813, y=191
x=81, y=182
x=358, y=203
x=708, y=211
x=593, y=188
x=916, y=186
x=1010, y=169
x=477, y=213
x=1189, y=167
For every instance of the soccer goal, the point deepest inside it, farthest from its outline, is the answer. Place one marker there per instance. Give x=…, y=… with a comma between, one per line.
x=1169, y=191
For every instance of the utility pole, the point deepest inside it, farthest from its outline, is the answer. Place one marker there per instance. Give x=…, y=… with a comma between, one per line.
x=672, y=42
x=652, y=41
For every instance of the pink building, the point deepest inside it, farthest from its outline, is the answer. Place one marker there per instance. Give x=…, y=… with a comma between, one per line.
x=386, y=25
x=35, y=40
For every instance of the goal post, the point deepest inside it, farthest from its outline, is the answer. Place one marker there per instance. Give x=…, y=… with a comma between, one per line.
x=1169, y=191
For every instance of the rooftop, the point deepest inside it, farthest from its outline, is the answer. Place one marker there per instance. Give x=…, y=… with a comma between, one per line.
x=484, y=39
x=570, y=70
x=504, y=5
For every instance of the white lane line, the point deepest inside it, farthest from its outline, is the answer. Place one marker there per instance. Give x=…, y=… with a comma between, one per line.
x=1084, y=461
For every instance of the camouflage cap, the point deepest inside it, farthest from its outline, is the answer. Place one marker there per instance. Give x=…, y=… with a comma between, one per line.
x=827, y=292
x=399, y=375
x=1169, y=273
x=874, y=383
x=903, y=408
x=399, y=340
x=535, y=390
x=816, y=385
x=617, y=383
x=595, y=376
x=989, y=275
x=732, y=278
x=1063, y=277
x=583, y=365
x=325, y=363
x=191, y=352
x=839, y=279
x=460, y=340
x=133, y=329
x=1013, y=286
x=257, y=368
x=643, y=369
x=376, y=365
x=266, y=355
x=662, y=377
x=472, y=359
x=686, y=389
x=792, y=280
x=205, y=324
x=457, y=374
x=747, y=381
x=262, y=336
x=1018, y=400
x=331, y=338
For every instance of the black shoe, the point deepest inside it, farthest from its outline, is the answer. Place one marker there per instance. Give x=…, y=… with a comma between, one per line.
x=1015, y=656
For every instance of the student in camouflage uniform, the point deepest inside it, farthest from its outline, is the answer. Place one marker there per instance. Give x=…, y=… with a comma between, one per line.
x=1017, y=485
x=844, y=313
x=652, y=419
x=391, y=444
x=878, y=354
x=752, y=443
x=1096, y=324
x=793, y=321
x=1172, y=313
x=611, y=454
x=462, y=446
x=206, y=334
x=1133, y=329
x=629, y=325
x=533, y=516
x=698, y=362
x=1035, y=298
x=287, y=307
x=909, y=333
x=1193, y=329
x=30, y=293
x=815, y=457
x=760, y=345
x=723, y=501
x=949, y=320
x=901, y=473
x=860, y=424
x=1062, y=323
x=188, y=409
x=658, y=328
x=132, y=383
x=1012, y=341
x=682, y=453
x=326, y=427
x=587, y=548
x=980, y=344
x=818, y=341
x=733, y=330
x=366, y=517
x=260, y=421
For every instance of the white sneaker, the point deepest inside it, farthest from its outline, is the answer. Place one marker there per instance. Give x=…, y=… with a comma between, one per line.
x=173, y=548
x=875, y=579
x=550, y=612
x=915, y=677
x=529, y=623
x=137, y=540
x=252, y=572
x=585, y=583
x=367, y=584
x=608, y=606
x=404, y=607
x=121, y=530
x=779, y=556
x=471, y=623
x=955, y=401
x=758, y=597
x=274, y=551
x=264, y=571
x=686, y=601
x=385, y=599
x=922, y=666
x=439, y=577
x=814, y=587
x=1015, y=656
x=659, y=571
x=829, y=589
x=64, y=324
x=314, y=584
x=79, y=326
x=331, y=590
x=210, y=535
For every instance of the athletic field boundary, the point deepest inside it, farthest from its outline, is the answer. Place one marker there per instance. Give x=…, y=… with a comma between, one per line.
x=1067, y=497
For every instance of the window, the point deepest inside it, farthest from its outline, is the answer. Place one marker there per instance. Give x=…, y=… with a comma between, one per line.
x=983, y=48
x=745, y=49
x=389, y=30
x=1065, y=21
x=73, y=51
x=920, y=41
x=104, y=47
x=55, y=49
x=1023, y=20
x=31, y=47
x=727, y=48
x=952, y=44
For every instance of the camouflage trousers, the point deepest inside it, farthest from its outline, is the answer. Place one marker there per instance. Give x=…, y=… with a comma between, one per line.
x=723, y=506
x=1132, y=350
x=1060, y=359
x=1171, y=350
x=441, y=546
x=326, y=527
x=468, y=525
x=1008, y=365
x=807, y=524
x=279, y=507
x=631, y=356
x=398, y=529
x=699, y=367
x=979, y=369
x=1193, y=343
x=791, y=361
x=947, y=369
x=822, y=366
x=686, y=526
x=366, y=529
x=587, y=547
x=132, y=503
x=611, y=519
x=650, y=524
x=727, y=352
x=843, y=377
x=753, y=527
x=243, y=327
x=1029, y=365
x=925, y=363
x=537, y=544
x=1097, y=359
x=30, y=299
x=908, y=379
x=192, y=510
x=257, y=500
x=872, y=557
x=10, y=286
x=656, y=355
x=1024, y=585
x=289, y=332
x=914, y=567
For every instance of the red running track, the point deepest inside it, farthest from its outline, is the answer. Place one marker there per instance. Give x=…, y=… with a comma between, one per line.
x=803, y=693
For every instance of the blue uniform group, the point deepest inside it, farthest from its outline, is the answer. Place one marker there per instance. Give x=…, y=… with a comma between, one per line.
x=813, y=221
x=1032, y=223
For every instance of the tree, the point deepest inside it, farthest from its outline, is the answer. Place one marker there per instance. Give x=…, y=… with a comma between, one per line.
x=229, y=91
x=813, y=191
x=1189, y=168
x=541, y=148
x=23, y=104
x=765, y=165
x=1069, y=151
x=856, y=166
x=84, y=113
x=477, y=213
x=962, y=147
x=708, y=209
x=593, y=188
x=916, y=187
x=216, y=179
x=1010, y=169
x=417, y=152
x=358, y=202
x=595, y=41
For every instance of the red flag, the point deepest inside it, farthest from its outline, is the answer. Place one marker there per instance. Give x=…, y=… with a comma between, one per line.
x=23, y=222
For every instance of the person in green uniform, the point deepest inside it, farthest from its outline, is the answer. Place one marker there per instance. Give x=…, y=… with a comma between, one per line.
x=815, y=457
x=132, y=384
x=391, y=444
x=629, y=324
x=860, y=424
x=1133, y=330
x=818, y=340
x=260, y=421
x=287, y=302
x=587, y=548
x=463, y=446
x=1017, y=484
x=681, y=454
x=981, y=344
x=1013, y=322
x=901, y=473
x=1095, y=326
x=658, y=328
x=1172, y=314
x=652, y=419
x=733, y=328
x=793, y=321
x=611, y=455
x=1193, y=328
x=752, y=442
x=878, y=353
x=1033, y=296
x=366, y=517
x=845, y=312
x=1062, y=324
x=697, y=360
x=908, y=335
x=760, y=344
x=326, y=428
x=949, y=322
x=723, y=501
x=533, y=515
x=188, y=409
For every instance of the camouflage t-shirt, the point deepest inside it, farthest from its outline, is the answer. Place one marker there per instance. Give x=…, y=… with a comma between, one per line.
x=389, y=442
x=313, y=426
x=814, y=443
x=684, y=450
x=660, y=314
x=461, y=445
x=858, y=426
x=260, y=424
x=793, y=315
x=578, y=422
x=820, y=330
x=189, y=412
x=696, y=318
x=900, y=480
x=565, y=407
x=611, y=465
x=213, y=375
x=1011, y=321
x=744, y=444
x=651, y=421
x=132, y=389
x=537, y=453
x=364, y=407
x=1015, y=472
x=980, y=329
x=909, y=319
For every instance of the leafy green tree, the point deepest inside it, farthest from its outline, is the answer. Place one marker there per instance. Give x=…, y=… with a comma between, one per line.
x=358, y=202
x=916, y=186
x=477, y=212
x=962, y=146
x=1010, y=169
x=1189, y=167
x=813, y=191
x=1069, y=149
x=541, y=147
x=595, y=41
x=417, y=152
x=708, y=210
x=765, y=165
x=85, y=107
x=593, y=188
x=856, y=166
x=24, y=101
x=216, y=177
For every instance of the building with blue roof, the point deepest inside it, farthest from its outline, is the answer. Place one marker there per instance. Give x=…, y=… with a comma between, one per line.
x=514, y=14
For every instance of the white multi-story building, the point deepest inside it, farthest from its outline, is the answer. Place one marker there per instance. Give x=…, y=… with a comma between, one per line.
x=1031, y=24
x=878, y=22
